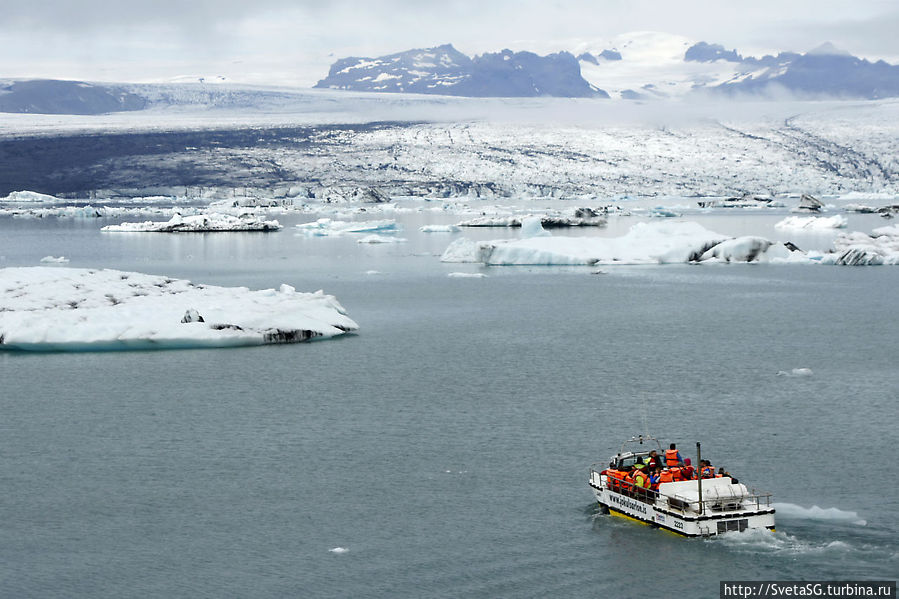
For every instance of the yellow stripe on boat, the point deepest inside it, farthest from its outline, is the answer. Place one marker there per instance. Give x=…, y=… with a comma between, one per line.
x=626, y=517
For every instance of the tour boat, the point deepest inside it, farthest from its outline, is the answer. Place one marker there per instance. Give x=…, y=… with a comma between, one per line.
x=692, y=508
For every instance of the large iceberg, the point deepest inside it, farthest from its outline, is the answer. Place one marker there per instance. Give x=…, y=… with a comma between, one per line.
x=199, y=223
x=660, y=242
x=73, y=309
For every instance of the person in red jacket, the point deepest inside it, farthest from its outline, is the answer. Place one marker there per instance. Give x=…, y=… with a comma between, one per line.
x=688, y=472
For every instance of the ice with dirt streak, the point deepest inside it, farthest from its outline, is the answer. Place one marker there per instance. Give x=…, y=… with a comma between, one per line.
x=75, y=309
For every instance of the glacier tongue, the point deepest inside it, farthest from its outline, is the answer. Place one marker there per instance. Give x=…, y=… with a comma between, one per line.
x=72, y=309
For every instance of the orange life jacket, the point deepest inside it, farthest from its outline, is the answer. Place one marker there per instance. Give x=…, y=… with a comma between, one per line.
x=708, y=472
x=667, y=476
x=671, y=457
x=634, y=474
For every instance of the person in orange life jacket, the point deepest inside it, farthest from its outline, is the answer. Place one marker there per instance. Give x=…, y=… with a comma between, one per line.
x=654, y=477
x=666, y=476
x=707, y=470
x=639, y=477
x=673, y=457
x=688, y=472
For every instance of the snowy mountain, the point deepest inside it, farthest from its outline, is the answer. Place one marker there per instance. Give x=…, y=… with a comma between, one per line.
x=662, y=65
x=446, y=71
x=822, y=71
x=632, y=66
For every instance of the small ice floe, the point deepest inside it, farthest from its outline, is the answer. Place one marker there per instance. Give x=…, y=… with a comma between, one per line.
x=813, y=223
x=795, y=372
x=440, y=229
x=77, y=309
x=580, y=217
x=200, y=223
x=373, y=272
x=54, y=260
x=325, y=227
x=532, y=226
x=859, y=249
x=662, y=212
x=808, y=203
x=338, y=550
x=467, y=275
x=380, y=239
x=747, y=200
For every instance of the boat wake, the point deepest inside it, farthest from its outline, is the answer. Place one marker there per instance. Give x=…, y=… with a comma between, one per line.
x=763, y=541
x=790, y=510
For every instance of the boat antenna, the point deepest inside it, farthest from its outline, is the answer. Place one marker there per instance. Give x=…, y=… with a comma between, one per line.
x=643, y=414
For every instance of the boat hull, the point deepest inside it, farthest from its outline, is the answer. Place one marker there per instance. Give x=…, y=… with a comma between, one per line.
x=684, y=524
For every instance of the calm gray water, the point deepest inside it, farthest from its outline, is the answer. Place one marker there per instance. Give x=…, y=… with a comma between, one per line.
x=446, y=445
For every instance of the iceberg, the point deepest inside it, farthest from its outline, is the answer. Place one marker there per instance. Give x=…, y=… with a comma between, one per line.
x=859, y=249
x=28, y=197
x=439, y=229
x=547, y=220
x=325, y=227
x=75, y=309
x=657, y=242
x=380, y=239
x=200, y=223
x=813, y=223
x=54, y=260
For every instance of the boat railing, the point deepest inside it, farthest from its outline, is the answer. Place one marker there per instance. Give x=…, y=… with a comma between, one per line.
x=755, y=500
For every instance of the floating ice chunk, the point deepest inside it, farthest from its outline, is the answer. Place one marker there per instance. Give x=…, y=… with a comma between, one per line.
x=338, y=550
x=54, y=260
x=547, y=220
x=658, y=242
x=858, y=249
x=325, y=227
x=791, y=510
x=467, y=275
x=380, y=239
x=373, y=272
x=200, y=223
x=29, y=197
x=796, y=372
x=466, y=250
x=51, y=309
x=813, y=223
x=662, y=212
x=439, y=229
x=741, y=249
x=532, y=226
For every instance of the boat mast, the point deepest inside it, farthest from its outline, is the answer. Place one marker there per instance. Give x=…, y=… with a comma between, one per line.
x=699, y=474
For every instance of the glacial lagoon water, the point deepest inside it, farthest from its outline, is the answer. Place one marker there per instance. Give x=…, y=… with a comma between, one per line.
x=445, y=447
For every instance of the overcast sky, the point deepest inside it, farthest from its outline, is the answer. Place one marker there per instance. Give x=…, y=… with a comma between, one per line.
x=293, y=42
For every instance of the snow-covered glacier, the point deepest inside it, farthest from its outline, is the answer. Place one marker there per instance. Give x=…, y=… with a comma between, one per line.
x=73, y=309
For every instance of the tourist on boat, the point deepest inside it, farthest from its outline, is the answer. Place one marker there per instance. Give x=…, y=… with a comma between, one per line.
x=707, y=470
x=654, y=477
x=722, y=473
x=687, y=472
x=673, y=457
x=666, y=476
x=654, y=461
